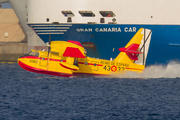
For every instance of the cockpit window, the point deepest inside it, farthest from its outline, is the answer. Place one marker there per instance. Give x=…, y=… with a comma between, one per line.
x=87, y=13
x=37, y=54
x=29, y=53
x=67, y=13
x=32, y=53
x=107, y=13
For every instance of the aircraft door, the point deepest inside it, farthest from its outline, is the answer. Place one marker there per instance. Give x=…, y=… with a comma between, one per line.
x=43, y=61
x=94, y=65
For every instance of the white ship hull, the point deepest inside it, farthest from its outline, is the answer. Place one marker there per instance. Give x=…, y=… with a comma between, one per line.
x=87, y=22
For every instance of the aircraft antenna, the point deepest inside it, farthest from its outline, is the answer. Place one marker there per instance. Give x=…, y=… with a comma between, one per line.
x=144, y=46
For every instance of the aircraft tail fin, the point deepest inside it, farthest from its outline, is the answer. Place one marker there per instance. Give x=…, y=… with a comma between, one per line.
x=137, y=49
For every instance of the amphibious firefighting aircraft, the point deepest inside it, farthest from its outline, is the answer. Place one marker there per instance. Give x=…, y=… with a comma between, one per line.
x=68, y=58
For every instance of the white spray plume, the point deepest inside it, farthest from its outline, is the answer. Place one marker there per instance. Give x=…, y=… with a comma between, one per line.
x=172, y=70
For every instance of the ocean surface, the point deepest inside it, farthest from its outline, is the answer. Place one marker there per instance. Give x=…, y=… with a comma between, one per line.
x=153, y=95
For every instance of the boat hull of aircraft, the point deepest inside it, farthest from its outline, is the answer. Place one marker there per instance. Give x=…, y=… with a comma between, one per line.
x=69, y=59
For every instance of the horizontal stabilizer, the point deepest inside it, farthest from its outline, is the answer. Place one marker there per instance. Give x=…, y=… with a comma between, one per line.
x=132, y=56
x=131, y=51
x=73, y=52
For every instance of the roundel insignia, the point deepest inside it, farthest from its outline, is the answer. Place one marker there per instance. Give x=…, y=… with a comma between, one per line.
x=113, y=68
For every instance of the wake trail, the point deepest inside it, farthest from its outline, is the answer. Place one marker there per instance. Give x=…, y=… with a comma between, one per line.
x=172, y=70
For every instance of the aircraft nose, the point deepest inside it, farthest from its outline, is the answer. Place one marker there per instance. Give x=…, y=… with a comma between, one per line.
x=21, y=59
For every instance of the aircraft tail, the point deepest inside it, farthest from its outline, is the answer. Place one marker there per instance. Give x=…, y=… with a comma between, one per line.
x=135, y=52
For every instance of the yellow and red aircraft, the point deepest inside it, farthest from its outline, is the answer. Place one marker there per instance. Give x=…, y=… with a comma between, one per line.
x=68, y=58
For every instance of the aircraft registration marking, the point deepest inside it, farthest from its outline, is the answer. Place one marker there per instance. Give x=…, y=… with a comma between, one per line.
x=120, y=69
x=113, y=68
x=33, y=61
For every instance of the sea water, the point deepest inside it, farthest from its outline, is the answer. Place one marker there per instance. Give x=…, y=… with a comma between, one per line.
x=153, y=94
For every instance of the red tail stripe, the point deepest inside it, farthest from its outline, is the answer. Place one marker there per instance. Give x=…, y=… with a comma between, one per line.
x=89, y=63
x=133, y=69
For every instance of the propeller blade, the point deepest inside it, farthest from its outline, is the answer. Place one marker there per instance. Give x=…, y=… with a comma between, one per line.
x=49, y=48
x=49, y=44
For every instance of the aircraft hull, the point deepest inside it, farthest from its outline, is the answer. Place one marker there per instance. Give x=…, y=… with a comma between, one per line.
x=36, y=69
x=70, y=59
x=32, y=68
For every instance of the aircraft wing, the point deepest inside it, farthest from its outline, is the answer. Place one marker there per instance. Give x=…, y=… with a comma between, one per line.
x=70, y=50
x=73, y=52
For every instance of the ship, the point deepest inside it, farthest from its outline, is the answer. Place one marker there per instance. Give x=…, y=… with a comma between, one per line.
x=104, y=26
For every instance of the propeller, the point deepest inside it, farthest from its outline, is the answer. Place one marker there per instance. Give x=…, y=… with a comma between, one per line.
x=49, y=50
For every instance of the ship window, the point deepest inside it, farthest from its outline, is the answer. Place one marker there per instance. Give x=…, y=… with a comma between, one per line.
x=47, y=19
x=107, y=13
x=69, y=19
x=67, y=13
x=87, y=13
x=102, y=20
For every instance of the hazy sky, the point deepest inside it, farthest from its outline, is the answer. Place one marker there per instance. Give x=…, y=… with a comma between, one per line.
x=5, y=5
